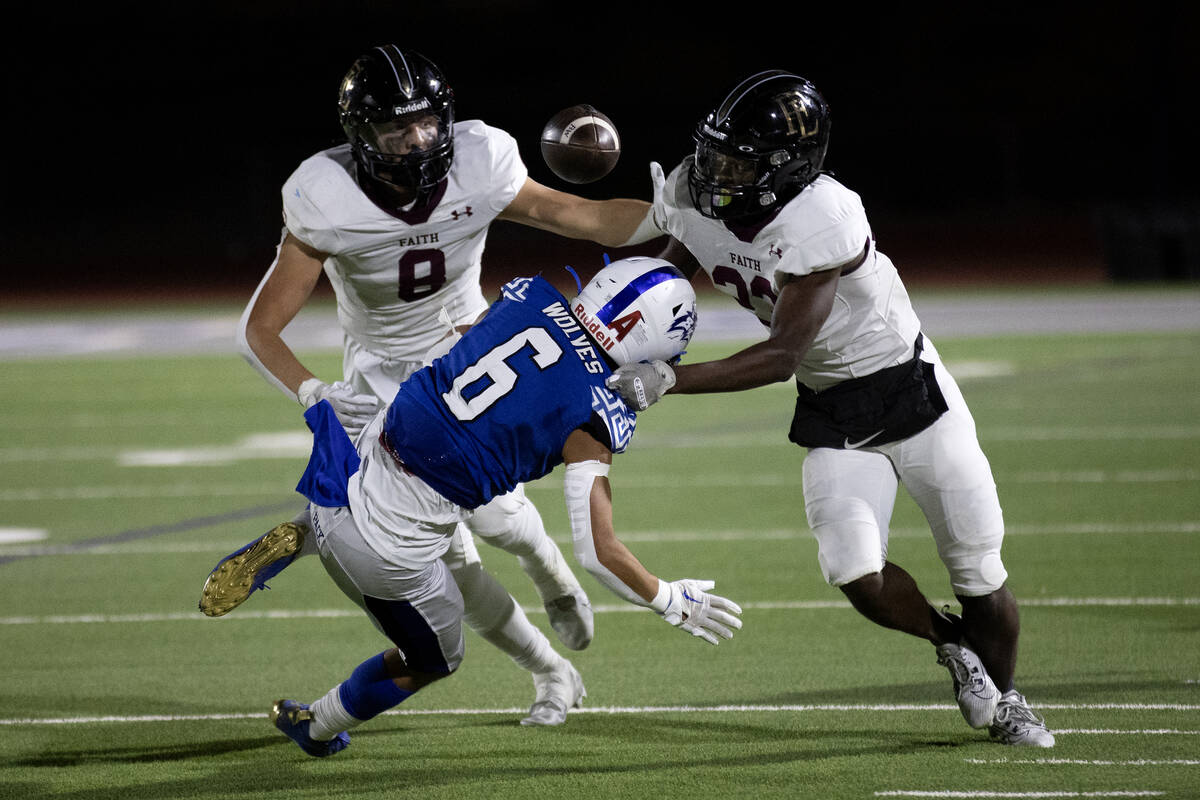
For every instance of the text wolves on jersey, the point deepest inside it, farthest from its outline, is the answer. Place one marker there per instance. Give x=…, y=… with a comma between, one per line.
x=583, y=346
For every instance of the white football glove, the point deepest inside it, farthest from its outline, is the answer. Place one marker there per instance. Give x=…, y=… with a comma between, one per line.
x=643, y=384
x=690, y=607
x=353, y=410
x=658, y=182
x=654, y=223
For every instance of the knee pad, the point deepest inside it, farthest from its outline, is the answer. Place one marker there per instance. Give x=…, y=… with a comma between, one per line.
x=976, y=570
x=850, y=544
x=511, y=523
x=969, y=535
x=500, y=515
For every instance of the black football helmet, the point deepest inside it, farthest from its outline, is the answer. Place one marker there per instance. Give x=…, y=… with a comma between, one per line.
x=398, y=114
x=760, y=147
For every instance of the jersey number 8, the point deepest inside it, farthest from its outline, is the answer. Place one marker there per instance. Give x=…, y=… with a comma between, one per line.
x=414, y=284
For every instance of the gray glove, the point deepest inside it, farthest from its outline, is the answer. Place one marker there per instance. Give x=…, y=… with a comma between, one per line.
x=643, y=384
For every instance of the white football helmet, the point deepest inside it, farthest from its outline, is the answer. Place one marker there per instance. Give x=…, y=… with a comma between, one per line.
x=638, y=309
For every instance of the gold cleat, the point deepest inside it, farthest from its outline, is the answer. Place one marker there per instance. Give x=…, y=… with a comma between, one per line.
x=245, y=571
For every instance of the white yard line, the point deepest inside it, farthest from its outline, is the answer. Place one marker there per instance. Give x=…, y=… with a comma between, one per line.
x=870, y=708
x=294, y=445
x=623, y=608
x=21, y=535
x=701, y=480
x=983, y=793
x=224, y=546
x=1093, y=762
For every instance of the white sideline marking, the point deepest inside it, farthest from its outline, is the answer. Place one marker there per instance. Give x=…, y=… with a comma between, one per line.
x=1111, y=732
x=298, y=445
x=988, y=793
x=610, y=710
x=134, y=492
x=218, y=549
x=699, y=481
x=1084, y=762
x=19, y=535
x=623, y=608
x=289, y=444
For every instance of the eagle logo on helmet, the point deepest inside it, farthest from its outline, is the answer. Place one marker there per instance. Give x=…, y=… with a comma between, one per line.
x=684, y=325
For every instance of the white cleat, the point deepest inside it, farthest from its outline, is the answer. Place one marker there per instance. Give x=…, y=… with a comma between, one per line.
x=977, y=695
x=1017, y=724
x=571, y=618
x=558, y=691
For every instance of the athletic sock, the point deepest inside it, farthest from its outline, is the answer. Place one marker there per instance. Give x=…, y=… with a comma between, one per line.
x=368, y=692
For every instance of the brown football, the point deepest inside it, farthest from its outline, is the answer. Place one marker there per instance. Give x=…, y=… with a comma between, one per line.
x=580, y=144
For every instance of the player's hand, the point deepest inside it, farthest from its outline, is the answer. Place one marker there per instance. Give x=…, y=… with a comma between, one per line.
x=693, y=609
x=353, y=410
x=643, y=384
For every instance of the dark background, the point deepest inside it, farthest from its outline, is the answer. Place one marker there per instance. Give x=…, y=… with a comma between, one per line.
x=147, y=144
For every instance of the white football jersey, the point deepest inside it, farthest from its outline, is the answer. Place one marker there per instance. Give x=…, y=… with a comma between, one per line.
x=872, y=324
x=393, y=274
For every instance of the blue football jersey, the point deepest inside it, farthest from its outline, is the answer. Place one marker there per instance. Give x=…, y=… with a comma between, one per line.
x=497, y=409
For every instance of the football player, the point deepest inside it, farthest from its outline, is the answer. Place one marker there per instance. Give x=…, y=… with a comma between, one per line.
x=397, y=218
x=754, y=209
x=519, y=393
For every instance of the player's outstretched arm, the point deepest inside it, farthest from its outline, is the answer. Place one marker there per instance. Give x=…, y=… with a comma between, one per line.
x=617, y=222
x=804, y=304
x=686, y=604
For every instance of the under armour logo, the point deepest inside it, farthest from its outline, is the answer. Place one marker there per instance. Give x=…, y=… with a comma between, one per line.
x=457, y=214
x=775, y=251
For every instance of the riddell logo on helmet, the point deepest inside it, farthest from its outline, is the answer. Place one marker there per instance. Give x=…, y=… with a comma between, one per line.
x=408, y=108
x=595, y=327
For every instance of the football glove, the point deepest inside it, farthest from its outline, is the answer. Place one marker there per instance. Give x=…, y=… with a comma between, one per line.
x=658, y=182
x=690, y=607
x=353, y=410
x=643, y=384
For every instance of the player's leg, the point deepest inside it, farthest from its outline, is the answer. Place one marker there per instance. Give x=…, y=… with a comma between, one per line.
x=949, y=477
x=512, y=523
x=419, y=610
x=849, y=496
x=492, y=613
x=247, y=569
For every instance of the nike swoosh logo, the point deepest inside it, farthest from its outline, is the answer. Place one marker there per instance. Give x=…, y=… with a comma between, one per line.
x=855, y=445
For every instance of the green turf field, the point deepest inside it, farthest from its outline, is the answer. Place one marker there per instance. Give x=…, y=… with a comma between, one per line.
x=143, y=472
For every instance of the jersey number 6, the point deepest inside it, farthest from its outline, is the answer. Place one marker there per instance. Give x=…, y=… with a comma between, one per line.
x=494, y=367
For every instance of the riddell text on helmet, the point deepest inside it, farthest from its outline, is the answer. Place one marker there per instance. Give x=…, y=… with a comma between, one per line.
x=595, y=327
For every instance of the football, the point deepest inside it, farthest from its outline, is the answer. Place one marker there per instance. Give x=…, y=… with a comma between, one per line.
x=580, y=145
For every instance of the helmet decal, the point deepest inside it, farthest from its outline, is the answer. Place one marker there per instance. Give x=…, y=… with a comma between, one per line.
x=406, y=81
x=684, y=324
x=746, y=87
x=625, y=324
